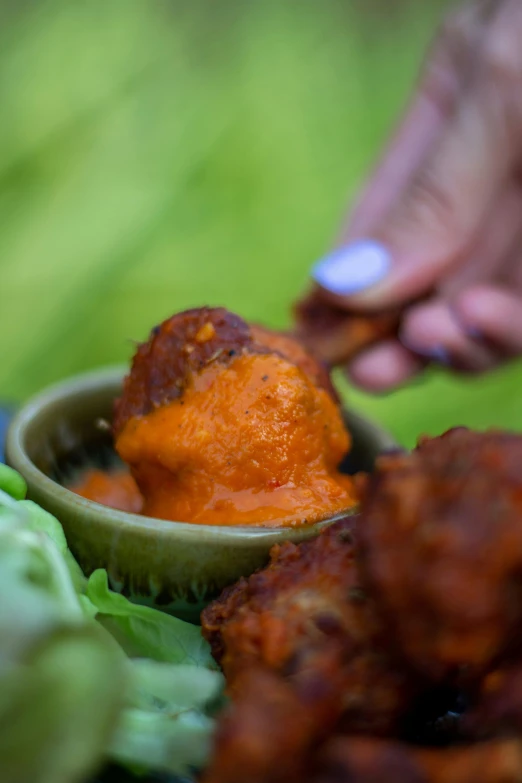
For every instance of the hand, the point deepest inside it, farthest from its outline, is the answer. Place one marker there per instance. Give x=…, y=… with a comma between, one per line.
x=440, y=223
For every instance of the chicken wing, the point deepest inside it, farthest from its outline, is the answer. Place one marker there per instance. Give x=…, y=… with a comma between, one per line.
x=367, y=760
x=293, y=642
x=337, y=336
x=228, y=424
x=440, y=539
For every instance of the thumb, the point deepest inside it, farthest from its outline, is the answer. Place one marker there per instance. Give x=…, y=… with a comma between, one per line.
x=431, y=227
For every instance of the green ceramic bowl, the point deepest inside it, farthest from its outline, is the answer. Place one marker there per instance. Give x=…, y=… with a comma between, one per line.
x=175, y=565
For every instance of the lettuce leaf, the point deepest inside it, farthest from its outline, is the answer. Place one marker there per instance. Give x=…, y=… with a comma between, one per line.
x=61, y=678
x=41, y=521
x=84, y=673
x=163, y=687
x=12, y=482
x=165, y=724
x=178, y=743
x=145, y=632
x=58, y=707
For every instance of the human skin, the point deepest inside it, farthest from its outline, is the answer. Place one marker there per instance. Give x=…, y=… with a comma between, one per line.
x=437, y=232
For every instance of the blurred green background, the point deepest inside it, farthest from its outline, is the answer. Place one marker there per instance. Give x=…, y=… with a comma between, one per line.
x=157, y=154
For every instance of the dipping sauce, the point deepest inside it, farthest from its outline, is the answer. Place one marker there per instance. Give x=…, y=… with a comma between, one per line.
x=225, y=424
x=248, y=444
x=115, y=489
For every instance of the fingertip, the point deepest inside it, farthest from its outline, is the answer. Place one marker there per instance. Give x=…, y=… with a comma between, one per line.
x=494, y=315
x=435, y=330
x=384, y=367
x=424, y=331
x=478, y=306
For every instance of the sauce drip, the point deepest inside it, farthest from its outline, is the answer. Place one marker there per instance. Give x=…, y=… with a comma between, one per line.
x=115, y=489
x=256, y=442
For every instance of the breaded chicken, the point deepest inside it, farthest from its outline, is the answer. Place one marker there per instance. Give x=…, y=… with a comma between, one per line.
x=293, y=642
x=185, y=344
x=440, y=539
x=335, y=335
x=369, y=760
x=222, y=423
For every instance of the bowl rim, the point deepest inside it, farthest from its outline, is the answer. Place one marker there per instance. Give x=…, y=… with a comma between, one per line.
x=94, y=380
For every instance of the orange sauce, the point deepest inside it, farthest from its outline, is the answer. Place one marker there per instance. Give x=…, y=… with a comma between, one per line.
x=117, y=490
x=256, y=442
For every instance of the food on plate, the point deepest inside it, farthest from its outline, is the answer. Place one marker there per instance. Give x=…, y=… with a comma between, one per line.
x=166, y=366
x=337, y=336
x=85, y=675
x=295, y=644
x=390, y=648
x=116, y=489
x=221, y=422
x=386, y=650
x=368, y=760
x=441, y=545
x=497, y=701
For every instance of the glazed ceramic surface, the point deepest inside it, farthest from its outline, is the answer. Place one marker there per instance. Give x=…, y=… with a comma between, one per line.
x=176, y=566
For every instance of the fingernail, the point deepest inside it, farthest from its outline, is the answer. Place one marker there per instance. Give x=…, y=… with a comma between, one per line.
x=469, y=331
x=440, y=355
x=353, y=268
x=475, y=334
x=436, y=353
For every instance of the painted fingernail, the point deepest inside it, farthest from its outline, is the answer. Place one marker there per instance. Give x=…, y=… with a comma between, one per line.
x=436, y=353
x=353, y=268
x=475, y=334
x=440, y=354
x=470, y=331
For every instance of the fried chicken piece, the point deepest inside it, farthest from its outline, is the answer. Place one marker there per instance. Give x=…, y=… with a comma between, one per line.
x=337, y=336
x=268, y=733
x=496, y=707
x=440, y=539
x=293, y=642
x=293, y=349
x=186, y=343
x=223, y=424
x=368, y=760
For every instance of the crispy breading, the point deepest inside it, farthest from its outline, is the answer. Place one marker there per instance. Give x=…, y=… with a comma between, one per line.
x=335, y=335
x=359, y=634
x=188, y=342
x=496, y=704
x=368, y=760
x=293, y=644
x=440, y=539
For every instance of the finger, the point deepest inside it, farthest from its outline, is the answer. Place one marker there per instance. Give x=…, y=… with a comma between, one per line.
x=337, y=336
x=494, y=246
x=384, y=367
x=432, y=227
x=434, y=331
x=444, y=75
x=494, y=315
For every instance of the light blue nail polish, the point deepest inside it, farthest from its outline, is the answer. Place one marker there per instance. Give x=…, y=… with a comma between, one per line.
x=475, y=334
x=353, y=268
x=436, y=353
x=469, y=331
x=440, y=355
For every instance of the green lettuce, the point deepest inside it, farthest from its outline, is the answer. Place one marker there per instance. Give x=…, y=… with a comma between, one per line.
x=85, y=674
x=12, y=482
x=146, y=632
x=167, y=719
x=61, y=679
